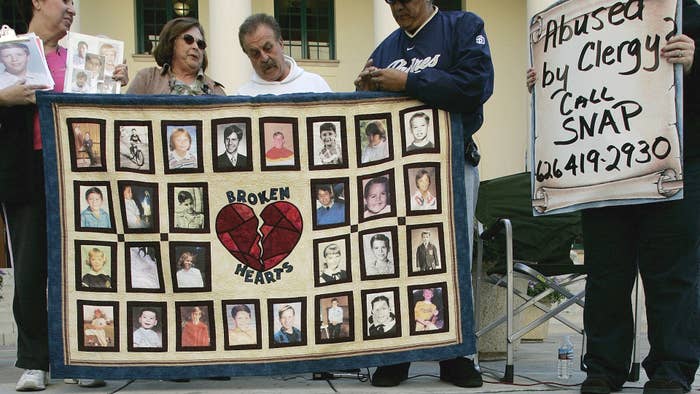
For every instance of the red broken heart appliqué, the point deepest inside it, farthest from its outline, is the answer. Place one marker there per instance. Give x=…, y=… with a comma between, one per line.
x=237, y=229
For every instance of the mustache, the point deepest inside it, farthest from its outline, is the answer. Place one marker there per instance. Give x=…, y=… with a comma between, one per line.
x=269, y=63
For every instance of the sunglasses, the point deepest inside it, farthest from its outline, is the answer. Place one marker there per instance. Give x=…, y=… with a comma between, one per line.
x=390, y=2
x=201, y=44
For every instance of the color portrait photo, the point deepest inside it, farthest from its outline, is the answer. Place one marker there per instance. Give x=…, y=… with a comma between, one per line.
x=23, y=60
x=99, y=325
x=147, y=326
x=287, y=322
x=190, y=266
x=93, y=203
x=428, y=303
x=335, y=317
x=195, y=325
x=97, y=269
x=243, y=324
x=280, y=145
x=183, y=150
x=87, y=144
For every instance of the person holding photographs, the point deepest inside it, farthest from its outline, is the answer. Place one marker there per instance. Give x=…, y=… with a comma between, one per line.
x=332, y=271
x=94, y=216
x=186, y=216
x=195, y=332
x=22, y=189
x=330, y=152
x=231, y=159
x=420, y=122
x=422, y=199
x=382, y=321
x=376, y=196
x=287, y=334
x=377, y=146
x=145, y=335
x=95, y=277
x=427, y=255
x=188, y=276
x=426, y=313
x=243, y=333
x=329, y=209
x=180, y=155
x=335, y=319
x=381, y=249
x=15, y=58
x=457, y=77
x=182, y=60
x=133, y=214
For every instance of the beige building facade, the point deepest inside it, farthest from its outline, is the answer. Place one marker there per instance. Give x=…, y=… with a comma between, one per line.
x=359, y=26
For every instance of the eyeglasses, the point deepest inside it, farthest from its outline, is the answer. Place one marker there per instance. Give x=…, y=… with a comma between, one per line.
x=390, y=2
x=201, y=44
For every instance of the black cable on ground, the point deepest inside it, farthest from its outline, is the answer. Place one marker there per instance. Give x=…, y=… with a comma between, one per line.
x=123, y=386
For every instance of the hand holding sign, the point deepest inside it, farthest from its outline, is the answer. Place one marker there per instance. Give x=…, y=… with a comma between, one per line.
x=680, y=50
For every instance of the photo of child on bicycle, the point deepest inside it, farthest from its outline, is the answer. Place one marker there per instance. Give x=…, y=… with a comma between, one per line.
x=134, y=147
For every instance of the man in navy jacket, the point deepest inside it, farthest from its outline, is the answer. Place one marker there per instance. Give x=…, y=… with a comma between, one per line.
x=443, y=59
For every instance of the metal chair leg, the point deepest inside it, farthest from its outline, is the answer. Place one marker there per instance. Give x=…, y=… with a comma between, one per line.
x=509, y=372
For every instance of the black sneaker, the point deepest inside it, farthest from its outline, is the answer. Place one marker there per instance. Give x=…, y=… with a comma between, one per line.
x=595, y=385
x=390, y=375
x=461, y=372
x=663, y=387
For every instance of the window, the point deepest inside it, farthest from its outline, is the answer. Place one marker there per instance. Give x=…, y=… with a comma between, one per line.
x=9, y=15
x=308, y=28
x=151, y=15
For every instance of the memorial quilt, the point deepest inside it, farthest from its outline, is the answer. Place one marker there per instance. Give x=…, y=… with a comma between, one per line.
x=226, y=236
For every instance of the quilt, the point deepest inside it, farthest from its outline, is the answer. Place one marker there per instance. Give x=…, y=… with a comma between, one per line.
x=228, y=236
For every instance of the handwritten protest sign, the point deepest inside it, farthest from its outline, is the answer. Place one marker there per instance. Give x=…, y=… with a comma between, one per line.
x=605, y=106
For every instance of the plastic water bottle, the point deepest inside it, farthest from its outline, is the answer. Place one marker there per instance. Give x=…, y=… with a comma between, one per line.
x=565, y=358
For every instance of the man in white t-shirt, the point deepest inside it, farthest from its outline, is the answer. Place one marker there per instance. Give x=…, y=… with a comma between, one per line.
x=275, y=73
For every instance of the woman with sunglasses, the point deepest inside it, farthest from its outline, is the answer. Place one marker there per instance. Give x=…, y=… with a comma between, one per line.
x=182, y=60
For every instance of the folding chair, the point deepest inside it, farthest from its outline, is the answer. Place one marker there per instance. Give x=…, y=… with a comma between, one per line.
x=536, y=248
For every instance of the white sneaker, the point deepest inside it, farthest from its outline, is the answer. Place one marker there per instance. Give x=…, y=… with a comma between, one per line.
x=70, y=381
x=32, y=380
x=91, y=383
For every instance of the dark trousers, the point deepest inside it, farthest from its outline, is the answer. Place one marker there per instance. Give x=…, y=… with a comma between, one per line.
x=26, y=222
x=334, y=330
x=662, y=240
